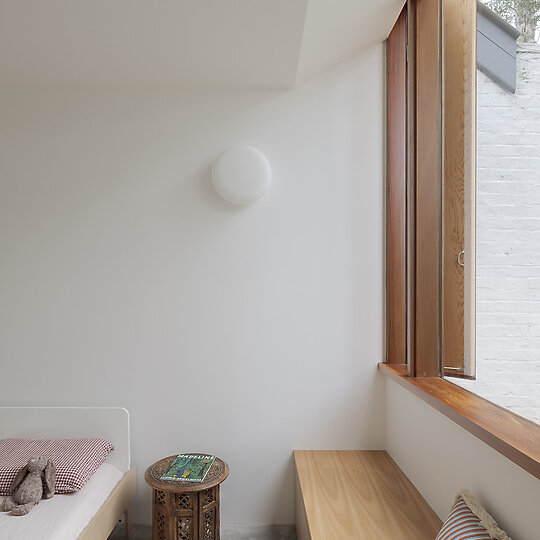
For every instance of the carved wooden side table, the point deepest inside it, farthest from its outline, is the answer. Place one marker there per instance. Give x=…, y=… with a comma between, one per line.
x=185, y=510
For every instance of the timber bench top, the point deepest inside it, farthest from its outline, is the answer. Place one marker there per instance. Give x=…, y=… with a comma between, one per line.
x=360, y=494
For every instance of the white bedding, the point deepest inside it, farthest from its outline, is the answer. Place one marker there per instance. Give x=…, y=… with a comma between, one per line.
x=64, y=516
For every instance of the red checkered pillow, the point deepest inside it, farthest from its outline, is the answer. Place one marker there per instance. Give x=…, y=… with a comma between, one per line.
x=76, y=460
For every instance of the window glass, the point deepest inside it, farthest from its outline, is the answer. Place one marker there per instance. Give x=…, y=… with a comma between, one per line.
x=507, y=207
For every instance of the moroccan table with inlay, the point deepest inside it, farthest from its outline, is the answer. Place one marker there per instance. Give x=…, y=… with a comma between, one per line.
x=185, y=510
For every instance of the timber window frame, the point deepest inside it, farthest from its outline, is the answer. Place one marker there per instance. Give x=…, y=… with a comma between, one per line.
x=413, y=168
x=430, y=170
x=431, y=141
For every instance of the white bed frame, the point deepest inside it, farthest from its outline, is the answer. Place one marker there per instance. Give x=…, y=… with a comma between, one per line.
x=110, y=423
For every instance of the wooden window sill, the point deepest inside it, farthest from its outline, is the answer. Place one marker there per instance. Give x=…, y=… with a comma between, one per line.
x=513, y=436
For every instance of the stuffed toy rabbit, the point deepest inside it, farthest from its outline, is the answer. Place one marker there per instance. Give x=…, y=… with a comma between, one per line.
x=27, y=487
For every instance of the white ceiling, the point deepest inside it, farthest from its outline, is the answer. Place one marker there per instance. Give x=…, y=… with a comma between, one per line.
x=196, y=43
x=338, y=29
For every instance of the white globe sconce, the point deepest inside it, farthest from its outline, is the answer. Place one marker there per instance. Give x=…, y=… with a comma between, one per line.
x=241, y=175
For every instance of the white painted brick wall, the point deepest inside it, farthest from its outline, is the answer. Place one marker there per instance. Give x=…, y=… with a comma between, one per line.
x=508, y=240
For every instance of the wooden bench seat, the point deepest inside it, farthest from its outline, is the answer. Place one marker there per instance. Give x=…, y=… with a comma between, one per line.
x=342, y=494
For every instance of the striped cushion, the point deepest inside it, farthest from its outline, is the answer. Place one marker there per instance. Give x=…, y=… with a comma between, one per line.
x=464, y=522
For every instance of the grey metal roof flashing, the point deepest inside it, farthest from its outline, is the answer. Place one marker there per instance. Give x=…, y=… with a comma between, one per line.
x=496, y=47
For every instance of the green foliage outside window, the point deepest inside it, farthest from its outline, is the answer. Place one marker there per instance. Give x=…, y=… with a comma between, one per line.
x=523, y=14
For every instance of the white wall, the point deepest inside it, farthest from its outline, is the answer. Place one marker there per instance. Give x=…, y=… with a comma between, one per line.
x=125, y=280
x=440, y=458
x=507, y=241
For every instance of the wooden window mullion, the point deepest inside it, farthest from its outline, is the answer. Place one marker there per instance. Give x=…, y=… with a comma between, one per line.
x=428, y=155
x=396, y=186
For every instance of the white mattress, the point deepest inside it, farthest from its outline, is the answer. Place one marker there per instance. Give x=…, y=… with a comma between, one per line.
x=64, y=516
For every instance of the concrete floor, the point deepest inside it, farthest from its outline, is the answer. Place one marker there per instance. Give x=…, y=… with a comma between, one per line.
x=228, y=532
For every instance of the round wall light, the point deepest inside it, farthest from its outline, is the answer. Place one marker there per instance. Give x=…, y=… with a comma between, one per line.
x=241, y=174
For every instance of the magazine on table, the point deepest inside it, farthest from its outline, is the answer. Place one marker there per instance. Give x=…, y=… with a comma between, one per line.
x=189, y=468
